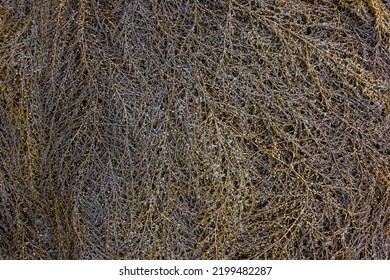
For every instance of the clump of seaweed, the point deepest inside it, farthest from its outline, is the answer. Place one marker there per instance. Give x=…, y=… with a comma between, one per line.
x=194, y=129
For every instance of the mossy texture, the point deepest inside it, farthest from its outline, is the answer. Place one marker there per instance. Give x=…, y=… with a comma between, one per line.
x=199, y=129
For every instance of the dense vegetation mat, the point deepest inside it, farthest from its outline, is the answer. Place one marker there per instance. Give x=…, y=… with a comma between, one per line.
x=194, y=129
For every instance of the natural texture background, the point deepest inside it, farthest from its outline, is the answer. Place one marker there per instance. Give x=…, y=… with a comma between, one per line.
x=194, y=129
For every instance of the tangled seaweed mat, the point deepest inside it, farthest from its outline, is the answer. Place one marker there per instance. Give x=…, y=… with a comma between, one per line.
x=194, y=129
